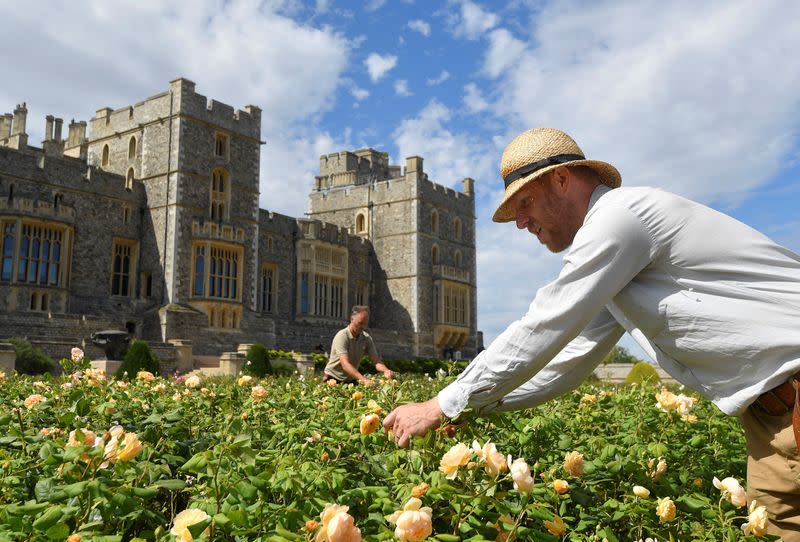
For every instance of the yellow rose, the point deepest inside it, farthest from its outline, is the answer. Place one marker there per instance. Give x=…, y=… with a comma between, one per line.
x=413, y=523
x=160, y=387
x=75, y=537
x=357, y=395
x=588, y=398
x=332, y=382
x=192, y=382
x=458, y=456
x=2, y=375
x=181, y=523
x=374, y=407
x=258, y=392
x=641, y=492
x=369, y=423
x=756, y=520
x=130, y=447
x=245, y=380
x=665, y=509
x=561, y=486
x=146, y=376
x=573, y=463
x=666, y=400
x=556, y=527
x=33, y=399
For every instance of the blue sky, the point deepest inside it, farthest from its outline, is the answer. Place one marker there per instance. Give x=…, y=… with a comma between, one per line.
x=700, y=98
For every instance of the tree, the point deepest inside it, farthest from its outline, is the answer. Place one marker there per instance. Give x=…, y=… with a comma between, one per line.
x=620, y=354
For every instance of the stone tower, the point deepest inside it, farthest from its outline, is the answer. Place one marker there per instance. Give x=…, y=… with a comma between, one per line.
x=198, y=161
x=423, y=240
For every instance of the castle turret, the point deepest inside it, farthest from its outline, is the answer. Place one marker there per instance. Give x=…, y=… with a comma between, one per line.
x=18, y=138
x=468, y=186
x=5, y=126
x=414, y=168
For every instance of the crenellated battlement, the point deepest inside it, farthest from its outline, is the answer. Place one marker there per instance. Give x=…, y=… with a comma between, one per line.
x=180, y=99
x=358, y=167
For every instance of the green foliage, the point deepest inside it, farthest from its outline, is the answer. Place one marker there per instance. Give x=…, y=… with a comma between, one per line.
x=642, y=372
x=620, y=354
x=262, y=462
x=139, y=357
x=282, y=367
x=31, y=360
x=258, y=361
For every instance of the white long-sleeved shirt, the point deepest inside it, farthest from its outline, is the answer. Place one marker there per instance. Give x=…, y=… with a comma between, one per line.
x=713, y=301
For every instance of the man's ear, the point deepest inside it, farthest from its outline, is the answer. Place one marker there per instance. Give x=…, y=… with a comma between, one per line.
x=560, y=178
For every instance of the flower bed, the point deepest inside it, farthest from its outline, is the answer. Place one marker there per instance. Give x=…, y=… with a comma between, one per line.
x=281, y=458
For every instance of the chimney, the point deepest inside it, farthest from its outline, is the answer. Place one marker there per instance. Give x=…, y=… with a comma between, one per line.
x=20, y=117
x=76, y=145
x=48, y=128
x=5, y=125
x=57, y=130
x=414, y=168
x=469, y=186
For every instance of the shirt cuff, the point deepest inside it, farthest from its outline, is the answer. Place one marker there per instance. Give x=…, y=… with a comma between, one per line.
x=453, y=400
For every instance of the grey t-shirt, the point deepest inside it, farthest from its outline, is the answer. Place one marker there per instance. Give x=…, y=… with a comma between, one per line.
x=353, y=347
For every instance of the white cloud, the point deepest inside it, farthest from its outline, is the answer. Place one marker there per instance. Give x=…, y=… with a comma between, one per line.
x=439, y=79
x=379, y=65
x=420, y=26
x=503, y=53
x=359, y=93
x=374, y=5
x=401, y=88
x=322, y=6
x=448, y=156
x=473, y=99
x=237, y=53
x=678, y=100
x=471, y=21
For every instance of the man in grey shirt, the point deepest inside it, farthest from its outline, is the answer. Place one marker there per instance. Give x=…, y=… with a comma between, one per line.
x=349, y=345
x=713, y=301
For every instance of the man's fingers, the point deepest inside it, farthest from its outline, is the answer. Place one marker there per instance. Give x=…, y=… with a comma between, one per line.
x=403, y=441
x=388, y=421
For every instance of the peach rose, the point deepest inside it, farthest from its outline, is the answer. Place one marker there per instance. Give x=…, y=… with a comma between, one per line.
x=244, y=380
x=521, y=474
x=374, y=407
x=76, y=354
x=258, y=392
x=573, y=463
x=419, y=490
x=458, y=456
x=192, y=382
x=732, y=490
x=494, y=461
x=560, y=486
x=413, y=523
x=337, y=525
x=369, y=423
x=146, y=376
x=33, y=399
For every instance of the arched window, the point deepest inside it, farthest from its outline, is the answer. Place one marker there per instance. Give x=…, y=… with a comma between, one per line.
x=361, y=223
x=129, y=180
x=435, y=255
x=457, y=228
x=434, y=221
x=458, y=258
x=10, y=193
x=132, y=148
x=220, y=194
x=104, y=160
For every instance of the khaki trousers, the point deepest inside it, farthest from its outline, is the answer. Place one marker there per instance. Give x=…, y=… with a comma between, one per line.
x=773, y=470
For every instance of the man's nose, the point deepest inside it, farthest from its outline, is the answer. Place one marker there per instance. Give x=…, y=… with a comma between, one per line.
x=522, y=221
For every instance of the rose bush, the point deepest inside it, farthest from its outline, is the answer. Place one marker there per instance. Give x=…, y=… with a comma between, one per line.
x=111, y=463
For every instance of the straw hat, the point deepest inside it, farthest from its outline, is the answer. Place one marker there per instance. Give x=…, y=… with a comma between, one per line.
x=537, y=151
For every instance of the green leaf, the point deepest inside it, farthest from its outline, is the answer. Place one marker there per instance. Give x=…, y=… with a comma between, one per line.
x=196, y=464
x=170, y=485
x=198, y=528
x=59, y=531
x=48, y=518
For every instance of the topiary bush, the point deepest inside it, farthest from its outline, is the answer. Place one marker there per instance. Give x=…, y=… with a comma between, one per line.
x=643, y=372
x=30, y=359
x=138, y=358
x=258, y=362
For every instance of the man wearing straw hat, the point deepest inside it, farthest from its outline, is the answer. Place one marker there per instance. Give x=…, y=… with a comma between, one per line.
x=715, y=302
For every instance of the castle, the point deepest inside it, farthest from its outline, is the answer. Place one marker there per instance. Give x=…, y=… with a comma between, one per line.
x=151, y=223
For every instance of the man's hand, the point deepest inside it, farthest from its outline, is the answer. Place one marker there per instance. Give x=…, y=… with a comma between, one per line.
x=413, y=419
x=388, y=374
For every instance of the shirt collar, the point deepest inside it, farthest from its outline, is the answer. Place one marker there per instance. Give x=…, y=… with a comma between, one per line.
x=596, y=195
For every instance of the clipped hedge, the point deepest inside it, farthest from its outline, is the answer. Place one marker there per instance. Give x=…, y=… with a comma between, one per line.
x=139, y=357
x=643, y=372
x=31, y=360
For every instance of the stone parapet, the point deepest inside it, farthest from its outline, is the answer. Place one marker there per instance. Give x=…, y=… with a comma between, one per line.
x=8, y=357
